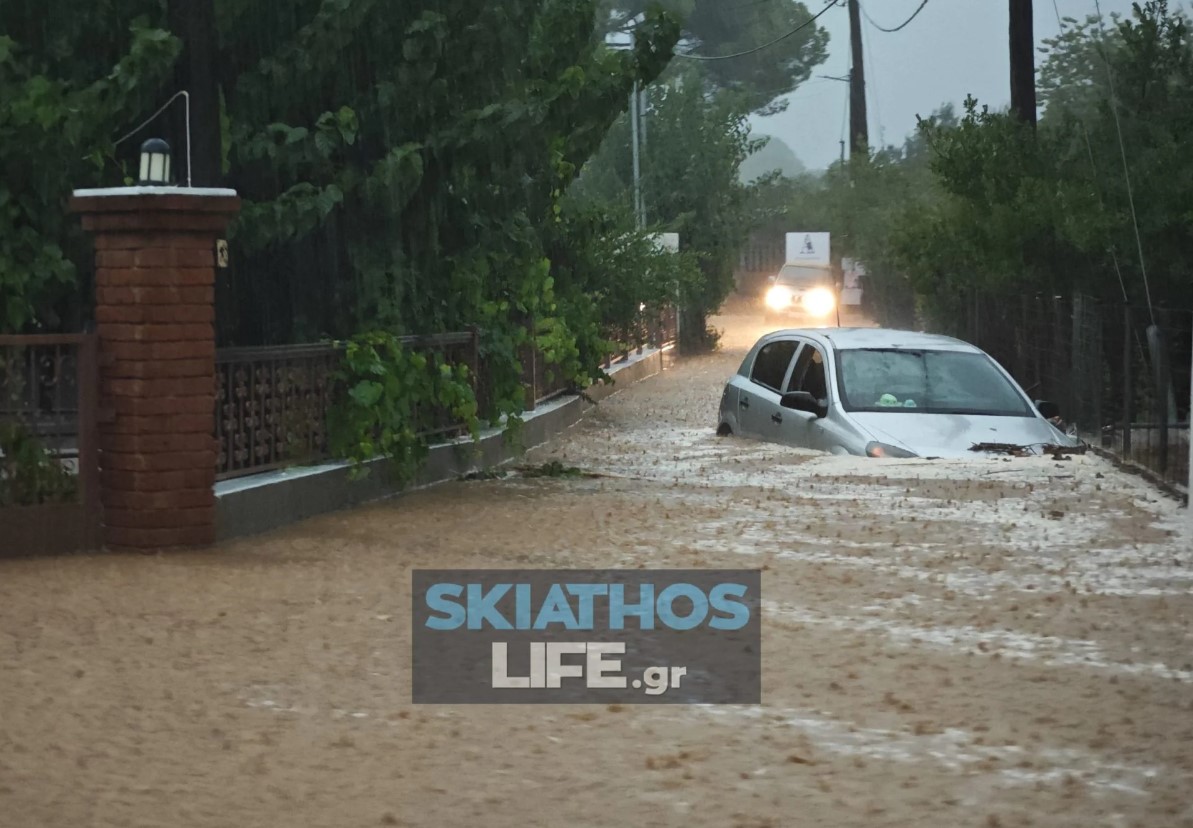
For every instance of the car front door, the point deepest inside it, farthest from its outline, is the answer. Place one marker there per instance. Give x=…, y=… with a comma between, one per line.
x=809, y=373
x=759, y=412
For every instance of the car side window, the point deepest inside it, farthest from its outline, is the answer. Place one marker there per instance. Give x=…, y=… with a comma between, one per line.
x=809, y=373
x=770, y=366
x=801, y=367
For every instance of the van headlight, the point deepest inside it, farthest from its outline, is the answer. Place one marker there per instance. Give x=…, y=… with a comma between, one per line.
x=820, y=302
x=778, y=297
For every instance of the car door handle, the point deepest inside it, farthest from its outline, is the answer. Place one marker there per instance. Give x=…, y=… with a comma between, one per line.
x=776, y=418
x=744, y=402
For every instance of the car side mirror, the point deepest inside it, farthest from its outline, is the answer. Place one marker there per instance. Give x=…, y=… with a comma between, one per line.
x=1048, y=410
x=803, y=401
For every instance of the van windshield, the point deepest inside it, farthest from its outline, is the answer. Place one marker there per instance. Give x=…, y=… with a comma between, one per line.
x=804, y=276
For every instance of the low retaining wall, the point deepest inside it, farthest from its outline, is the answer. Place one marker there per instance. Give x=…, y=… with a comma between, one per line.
x=249, y=505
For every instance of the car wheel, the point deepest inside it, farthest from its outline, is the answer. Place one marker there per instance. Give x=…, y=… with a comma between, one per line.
x=723, y=430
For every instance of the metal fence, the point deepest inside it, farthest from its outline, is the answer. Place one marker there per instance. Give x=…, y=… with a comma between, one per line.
x=653, y=328
x=763, y=253
x=49, y=474
x=272, y=402
x=1120, y=373
x=271, y=405
x=543, y=379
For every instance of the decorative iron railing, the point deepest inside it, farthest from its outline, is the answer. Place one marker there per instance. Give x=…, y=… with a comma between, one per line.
x=543, y=379
x=655, y=329
x=272, y=402
x=271, y=406
x=49, y=475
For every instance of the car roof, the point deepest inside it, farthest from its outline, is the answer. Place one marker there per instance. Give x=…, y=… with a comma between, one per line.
x=846, y=338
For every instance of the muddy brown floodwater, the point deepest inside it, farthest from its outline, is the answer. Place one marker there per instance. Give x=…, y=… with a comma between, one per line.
x=976, y=643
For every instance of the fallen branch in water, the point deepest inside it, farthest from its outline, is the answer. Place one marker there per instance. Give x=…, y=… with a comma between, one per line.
x=1013, y=449
x=1030, y=450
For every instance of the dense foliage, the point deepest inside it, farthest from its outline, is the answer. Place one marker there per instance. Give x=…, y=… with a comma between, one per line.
x=401, y=164
x=715, y=28
x=66, y=91
x=696, y=138
x=394, y=399
x=405, y=168
x=689, y=178
x=986, y=204
x=29, y=473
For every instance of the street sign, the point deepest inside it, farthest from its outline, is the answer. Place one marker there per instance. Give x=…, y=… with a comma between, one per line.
x=808, y=248
x=852, y=272
x=667, y=241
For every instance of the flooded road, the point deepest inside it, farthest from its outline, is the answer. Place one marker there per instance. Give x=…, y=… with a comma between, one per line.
x=974, y=643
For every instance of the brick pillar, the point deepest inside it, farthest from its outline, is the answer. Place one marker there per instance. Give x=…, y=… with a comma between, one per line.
x=154, y=314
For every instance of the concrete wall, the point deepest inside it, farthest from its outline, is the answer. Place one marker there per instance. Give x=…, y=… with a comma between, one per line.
x=271, y=500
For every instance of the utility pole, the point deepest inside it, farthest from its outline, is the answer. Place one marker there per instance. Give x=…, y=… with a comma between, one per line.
x=635, y=130
x=636, y=161
x=1023, y=62
x=859, y=132
x=641, y=100
x=635, y=110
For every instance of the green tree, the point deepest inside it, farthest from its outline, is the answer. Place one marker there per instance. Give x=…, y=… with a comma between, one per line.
x=68, y=91
x=402, y=165
x=1054, y=212
x=773, y=156
x=691, y=184
x=983, y=204
x=715, y=28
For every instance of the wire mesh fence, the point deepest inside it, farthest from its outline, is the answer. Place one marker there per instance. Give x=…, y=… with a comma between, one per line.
x=1120, y=373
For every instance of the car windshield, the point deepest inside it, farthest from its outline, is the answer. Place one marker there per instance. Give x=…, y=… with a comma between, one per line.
x=927, y=382
x=801, y=276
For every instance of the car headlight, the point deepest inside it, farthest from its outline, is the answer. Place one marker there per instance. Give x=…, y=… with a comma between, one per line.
x=877, y=449
x=820, y=302
x=778, y=297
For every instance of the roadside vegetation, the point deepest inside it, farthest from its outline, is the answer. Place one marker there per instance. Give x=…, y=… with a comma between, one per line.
x=978, y=201
x=414, y=168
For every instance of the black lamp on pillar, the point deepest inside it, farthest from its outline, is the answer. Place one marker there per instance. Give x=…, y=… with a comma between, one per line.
x=155, y=163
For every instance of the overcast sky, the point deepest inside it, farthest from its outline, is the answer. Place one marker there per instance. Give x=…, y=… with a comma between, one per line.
x=953, y=48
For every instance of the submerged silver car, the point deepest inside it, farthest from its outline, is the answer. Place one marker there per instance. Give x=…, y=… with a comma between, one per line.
x=881, y=393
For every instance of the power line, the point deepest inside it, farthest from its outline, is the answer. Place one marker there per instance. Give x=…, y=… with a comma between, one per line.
x=1122, y=148
x=800, y=27
x=1060, y=23
x=1089, y=153
x=901, y=25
